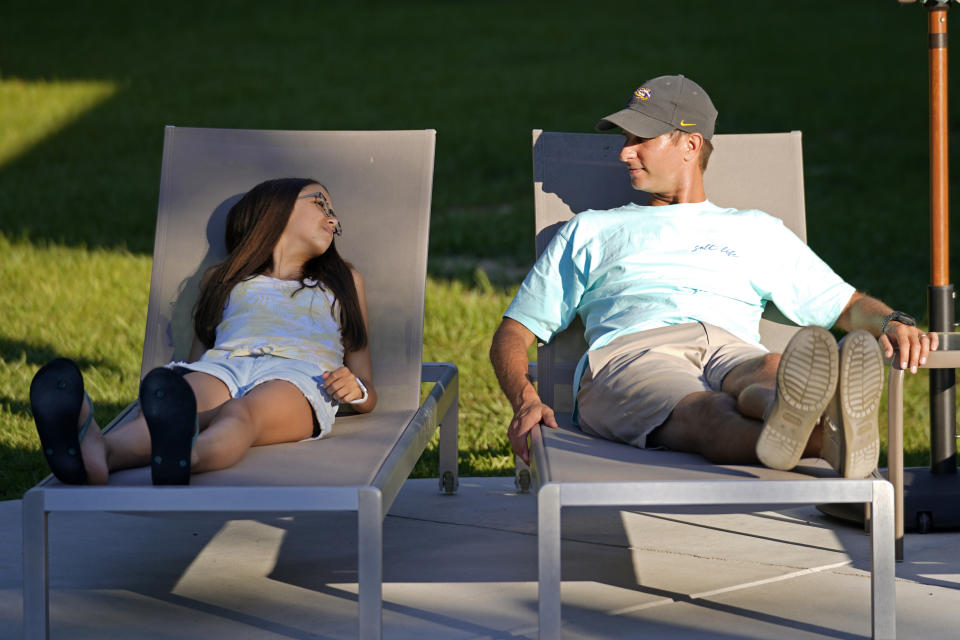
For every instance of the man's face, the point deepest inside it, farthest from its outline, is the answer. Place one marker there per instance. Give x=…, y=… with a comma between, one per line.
x=655, y=164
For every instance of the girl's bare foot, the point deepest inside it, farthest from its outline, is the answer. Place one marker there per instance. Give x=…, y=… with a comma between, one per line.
x=92, y=448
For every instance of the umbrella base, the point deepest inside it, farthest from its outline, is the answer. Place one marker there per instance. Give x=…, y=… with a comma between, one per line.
x=931, y=502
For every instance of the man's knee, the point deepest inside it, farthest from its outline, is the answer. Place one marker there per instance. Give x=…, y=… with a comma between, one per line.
x=760, y=370
x=704, y=404
x=770, y=362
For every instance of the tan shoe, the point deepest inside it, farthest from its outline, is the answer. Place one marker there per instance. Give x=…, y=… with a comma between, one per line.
x=851, y=440
x=832, y=449
x=806, y=380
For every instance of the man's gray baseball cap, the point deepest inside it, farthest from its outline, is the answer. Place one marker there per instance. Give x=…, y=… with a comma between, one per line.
x=663, y=104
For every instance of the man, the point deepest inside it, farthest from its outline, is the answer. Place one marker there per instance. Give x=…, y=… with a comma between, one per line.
x=671, y=295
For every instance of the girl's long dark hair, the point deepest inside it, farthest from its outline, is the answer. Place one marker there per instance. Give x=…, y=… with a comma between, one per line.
x=254, y=225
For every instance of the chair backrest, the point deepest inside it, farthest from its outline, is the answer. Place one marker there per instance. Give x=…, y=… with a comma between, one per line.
x=380, y=183
x=574, y=172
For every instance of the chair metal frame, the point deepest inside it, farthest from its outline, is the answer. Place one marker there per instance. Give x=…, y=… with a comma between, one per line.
x=379, y=174
x=575, y=172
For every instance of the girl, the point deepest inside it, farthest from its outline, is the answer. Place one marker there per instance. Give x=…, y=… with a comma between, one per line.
x=281, y=340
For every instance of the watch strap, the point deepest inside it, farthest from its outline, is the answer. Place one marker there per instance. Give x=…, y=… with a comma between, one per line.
x=897, y=316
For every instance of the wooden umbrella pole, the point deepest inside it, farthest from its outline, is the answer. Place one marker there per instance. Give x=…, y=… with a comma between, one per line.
x=939, y=152
x=943, y=417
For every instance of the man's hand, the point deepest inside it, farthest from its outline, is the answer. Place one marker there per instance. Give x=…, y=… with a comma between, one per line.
x=508, y=354
x=525, y=419
x=864, y=312
x=912, y=344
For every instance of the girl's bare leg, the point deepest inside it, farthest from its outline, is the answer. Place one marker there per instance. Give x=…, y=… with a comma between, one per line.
x=92, y=449
x=272, y=412
x=128, y=445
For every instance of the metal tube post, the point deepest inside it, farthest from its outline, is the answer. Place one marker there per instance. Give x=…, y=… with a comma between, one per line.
x=943, y=446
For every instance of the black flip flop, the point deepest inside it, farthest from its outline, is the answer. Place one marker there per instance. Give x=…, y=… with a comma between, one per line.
x=170, y=409
x=56, y=398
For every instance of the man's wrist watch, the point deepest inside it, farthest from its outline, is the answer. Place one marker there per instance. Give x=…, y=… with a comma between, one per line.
x=898, y=316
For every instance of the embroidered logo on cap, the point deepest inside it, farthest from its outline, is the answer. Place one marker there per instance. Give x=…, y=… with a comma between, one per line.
x=643, y=94
x=683, y=123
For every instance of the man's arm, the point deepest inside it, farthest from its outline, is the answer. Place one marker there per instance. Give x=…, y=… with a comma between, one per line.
x=864, y=312
x=508, y=353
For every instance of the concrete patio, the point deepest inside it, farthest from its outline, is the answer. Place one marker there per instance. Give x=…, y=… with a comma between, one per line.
x=466, y=567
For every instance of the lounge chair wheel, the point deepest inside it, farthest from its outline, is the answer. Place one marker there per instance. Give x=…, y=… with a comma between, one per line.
x=522, y=481
x=448, y=483
x=924, y=522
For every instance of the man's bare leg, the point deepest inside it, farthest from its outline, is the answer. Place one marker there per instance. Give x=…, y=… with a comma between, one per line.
x=724, y=426
x=753, y=384
x=708, y=423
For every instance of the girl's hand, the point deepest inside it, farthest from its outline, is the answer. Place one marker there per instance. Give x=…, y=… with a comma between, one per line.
x=342, y=385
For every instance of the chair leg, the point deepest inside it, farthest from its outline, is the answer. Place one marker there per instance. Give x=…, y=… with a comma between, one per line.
x=882, y=585
x=370, y=563
x=895, y=451
x=548, y=540
x=449, y=434
x=36, y=572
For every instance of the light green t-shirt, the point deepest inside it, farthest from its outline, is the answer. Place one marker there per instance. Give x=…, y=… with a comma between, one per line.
x=635, y=268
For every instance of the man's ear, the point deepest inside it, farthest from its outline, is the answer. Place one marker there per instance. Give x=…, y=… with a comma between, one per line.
x=692, y=144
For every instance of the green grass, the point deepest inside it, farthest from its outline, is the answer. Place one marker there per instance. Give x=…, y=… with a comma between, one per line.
x=89, y=305
x=86, y=90
x=460, y=321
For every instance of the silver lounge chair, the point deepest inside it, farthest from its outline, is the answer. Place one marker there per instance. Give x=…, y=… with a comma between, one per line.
x=575, y=172
x=381, y=185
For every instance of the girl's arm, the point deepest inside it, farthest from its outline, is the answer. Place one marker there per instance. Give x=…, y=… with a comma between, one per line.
x=341, y=384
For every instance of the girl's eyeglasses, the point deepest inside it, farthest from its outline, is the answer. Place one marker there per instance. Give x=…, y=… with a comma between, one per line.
x=321, y=201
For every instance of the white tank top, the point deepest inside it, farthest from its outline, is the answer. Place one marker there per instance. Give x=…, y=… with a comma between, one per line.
x=263, y=316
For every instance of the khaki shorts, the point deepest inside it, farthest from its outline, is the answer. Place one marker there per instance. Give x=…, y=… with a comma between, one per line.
x=630, y=386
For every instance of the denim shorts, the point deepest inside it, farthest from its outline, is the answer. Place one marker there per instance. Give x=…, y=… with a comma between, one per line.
x=242, y=373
